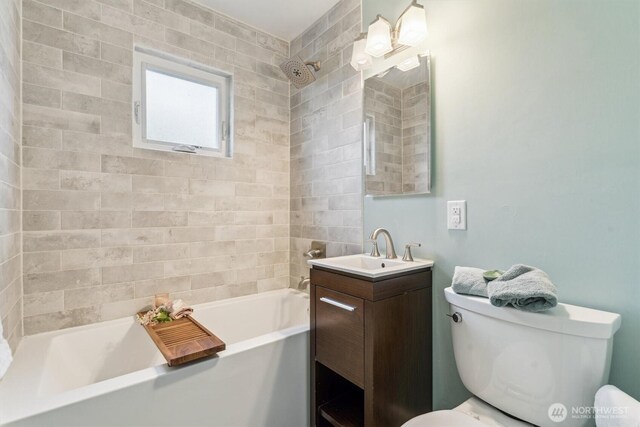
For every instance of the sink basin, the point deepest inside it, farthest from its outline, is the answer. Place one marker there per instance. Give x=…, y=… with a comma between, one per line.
x=368, y=266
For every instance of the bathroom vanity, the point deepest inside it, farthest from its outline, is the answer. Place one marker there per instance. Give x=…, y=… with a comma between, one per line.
x=370, y=341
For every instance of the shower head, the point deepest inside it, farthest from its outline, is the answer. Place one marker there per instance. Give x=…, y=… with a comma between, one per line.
x=298, y=71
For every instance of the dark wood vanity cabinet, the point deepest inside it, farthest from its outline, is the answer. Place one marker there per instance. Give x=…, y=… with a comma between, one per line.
x=370, y=348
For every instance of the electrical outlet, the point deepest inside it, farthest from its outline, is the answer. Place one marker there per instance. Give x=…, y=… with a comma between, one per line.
x=457, y=215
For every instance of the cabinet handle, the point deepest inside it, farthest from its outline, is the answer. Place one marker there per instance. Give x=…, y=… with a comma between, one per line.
x=337, y=304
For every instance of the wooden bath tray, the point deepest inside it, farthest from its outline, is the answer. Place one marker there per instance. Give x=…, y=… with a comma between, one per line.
x=184, y=340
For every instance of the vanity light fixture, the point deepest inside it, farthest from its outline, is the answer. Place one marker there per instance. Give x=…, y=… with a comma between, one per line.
x=381, y=39
x=413, y=25
x=360, y=60
x=409, y=63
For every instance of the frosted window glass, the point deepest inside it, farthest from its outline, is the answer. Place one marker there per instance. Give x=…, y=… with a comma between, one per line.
x=181, y=111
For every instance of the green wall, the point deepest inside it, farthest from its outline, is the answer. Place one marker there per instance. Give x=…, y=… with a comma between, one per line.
x=536, y=124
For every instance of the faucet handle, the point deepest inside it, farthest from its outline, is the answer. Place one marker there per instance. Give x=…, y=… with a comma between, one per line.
x=374, y=250
x=407, y=251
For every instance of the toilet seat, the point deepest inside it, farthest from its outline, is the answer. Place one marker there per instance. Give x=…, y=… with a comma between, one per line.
x=447, y=418
x=471, y=413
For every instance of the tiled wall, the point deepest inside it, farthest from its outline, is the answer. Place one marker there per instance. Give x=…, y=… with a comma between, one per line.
x=416, y=146
x=384, y=102
x=107, y=226
x=10, y=236
x=326, y=153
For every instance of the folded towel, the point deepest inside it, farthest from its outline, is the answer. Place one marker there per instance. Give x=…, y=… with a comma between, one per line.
x=470, y=281
x=615, y=408
x=5, y=354
x=526, y=288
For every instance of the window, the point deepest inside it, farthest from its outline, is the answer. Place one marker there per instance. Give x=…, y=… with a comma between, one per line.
x=180, y=106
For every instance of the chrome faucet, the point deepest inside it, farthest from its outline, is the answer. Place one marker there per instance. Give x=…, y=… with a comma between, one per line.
x=390, y=250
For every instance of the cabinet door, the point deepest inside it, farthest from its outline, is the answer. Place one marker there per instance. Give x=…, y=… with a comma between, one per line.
x=340, y=333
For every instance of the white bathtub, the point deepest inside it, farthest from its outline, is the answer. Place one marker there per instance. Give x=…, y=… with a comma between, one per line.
x=111, y=373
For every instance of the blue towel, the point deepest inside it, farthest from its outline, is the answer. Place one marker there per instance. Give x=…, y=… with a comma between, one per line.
x=521, y=286
x=524, y=287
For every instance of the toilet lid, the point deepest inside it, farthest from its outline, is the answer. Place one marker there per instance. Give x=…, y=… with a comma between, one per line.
x=444, y=419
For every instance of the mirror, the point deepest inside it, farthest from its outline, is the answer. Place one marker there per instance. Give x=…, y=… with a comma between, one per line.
x=397, y=129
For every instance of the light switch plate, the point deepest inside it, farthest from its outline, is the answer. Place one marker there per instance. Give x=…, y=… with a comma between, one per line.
x=457, y=215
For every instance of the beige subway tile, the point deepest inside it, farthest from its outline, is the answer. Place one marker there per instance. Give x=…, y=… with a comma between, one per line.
x=159, y=15
x=88, y=9
x=176, y=202
x=9, y=196
x=43, y=302
x=89, y=181
x=211, y=218
x=157, y=286
x=211, y=188
x=60, y=200
x=40, y=220
x=160, y=252
x=204, y=249
x=38, y=33
x=273, y=43
x=125, y=308
x=60, y=320
x=34, y=115
x=92, y=143
x=41, y=137
x=209, y=280
x=95, y=257
x=97, y=30
x=59, y=280
x=94, y=105
x=88, y=297
x=41, y=262
x=95, y=67
x=131, y=165
x=191, y=11
x=159, y=219
x=152, y=184
x=44, y=75
x=9, y=221
x=10, y=270
x=210, y=34
x=57, y=240
x=41, y=55
x=132, y=237
x=38, y=95
x=54, y=159
x=115, y=91
x=94, y=219
x=133, y=272
x=41, y=13
x=255, y=190
x=195, y=296
x=235, y=232
x=132, y=23
x=191, y=234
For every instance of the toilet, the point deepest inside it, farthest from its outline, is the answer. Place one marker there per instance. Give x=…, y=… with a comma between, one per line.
x=526, y=368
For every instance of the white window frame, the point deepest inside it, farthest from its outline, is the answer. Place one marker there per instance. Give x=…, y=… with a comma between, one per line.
x=144, y=60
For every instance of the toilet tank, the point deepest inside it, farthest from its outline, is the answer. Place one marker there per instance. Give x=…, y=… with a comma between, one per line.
x=523, y=363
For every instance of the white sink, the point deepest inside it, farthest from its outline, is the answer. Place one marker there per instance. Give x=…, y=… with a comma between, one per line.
x=368, y=266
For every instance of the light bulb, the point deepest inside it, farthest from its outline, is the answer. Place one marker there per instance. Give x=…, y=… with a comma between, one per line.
x=360, y=60
x=413, y=26
x=379, y=38
x=409, y=63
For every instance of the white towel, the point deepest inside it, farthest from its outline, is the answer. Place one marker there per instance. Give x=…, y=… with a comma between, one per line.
x=615, y=408
x=5, y=354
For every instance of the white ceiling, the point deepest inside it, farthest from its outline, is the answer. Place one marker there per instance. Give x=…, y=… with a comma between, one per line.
x=286, y=19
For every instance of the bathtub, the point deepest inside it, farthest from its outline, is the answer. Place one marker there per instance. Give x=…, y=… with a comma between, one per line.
x=111, y=374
